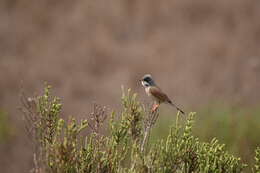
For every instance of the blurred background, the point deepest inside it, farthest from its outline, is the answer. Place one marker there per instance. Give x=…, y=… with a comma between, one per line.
x=204, y=54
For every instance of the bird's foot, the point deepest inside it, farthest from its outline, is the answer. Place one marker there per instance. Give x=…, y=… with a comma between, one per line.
x=155, y=107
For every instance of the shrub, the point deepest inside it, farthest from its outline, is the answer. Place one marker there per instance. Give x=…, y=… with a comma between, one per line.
x=59, y=146
x=257, y=160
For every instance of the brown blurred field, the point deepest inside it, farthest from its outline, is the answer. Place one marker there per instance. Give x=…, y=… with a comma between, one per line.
x=198, y=51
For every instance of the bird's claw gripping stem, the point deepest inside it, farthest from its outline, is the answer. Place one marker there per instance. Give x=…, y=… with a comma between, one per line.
x=155, y=107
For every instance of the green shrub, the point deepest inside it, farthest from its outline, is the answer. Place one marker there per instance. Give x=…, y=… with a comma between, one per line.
x=59, y=146
x=257, y=160
x=235, y=126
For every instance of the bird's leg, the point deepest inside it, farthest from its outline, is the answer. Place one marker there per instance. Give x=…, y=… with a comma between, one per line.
x=155, y=107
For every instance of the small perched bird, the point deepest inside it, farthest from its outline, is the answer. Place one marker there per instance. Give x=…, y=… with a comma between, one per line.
x=156, y=93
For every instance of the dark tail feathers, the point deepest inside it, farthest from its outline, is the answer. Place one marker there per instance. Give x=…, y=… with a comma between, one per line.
x=171, y=103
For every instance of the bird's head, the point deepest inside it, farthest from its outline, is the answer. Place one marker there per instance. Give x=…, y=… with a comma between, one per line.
x=147, y=81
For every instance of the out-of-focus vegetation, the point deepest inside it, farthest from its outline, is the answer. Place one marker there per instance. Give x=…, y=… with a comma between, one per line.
x=5, y=129
x=60, y=146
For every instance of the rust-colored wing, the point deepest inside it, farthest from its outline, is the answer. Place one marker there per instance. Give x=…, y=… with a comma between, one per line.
x=161, y=97
x=157, y=93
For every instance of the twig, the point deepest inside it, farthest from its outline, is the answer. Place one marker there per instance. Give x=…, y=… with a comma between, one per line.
x=150, y=121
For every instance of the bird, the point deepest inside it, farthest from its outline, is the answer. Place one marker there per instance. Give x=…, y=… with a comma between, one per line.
x=153, y=91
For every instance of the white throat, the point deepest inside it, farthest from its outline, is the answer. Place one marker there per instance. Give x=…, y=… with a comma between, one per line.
x=147, y=90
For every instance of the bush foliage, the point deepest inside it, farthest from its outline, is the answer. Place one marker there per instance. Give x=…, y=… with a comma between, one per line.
x=62, y=146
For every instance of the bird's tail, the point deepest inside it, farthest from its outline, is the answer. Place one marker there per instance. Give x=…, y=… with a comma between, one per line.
x=171, y=103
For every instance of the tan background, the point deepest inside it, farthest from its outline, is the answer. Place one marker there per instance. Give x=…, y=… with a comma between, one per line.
x=198, y=51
